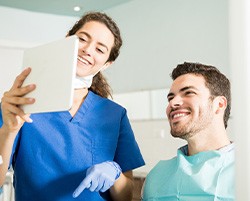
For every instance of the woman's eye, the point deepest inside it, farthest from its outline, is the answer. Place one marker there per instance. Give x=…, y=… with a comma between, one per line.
x=100, y=50
x=82, y=39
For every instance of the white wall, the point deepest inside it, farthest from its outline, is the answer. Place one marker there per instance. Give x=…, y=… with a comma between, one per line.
x=144, y=105
x=32, y=28
x=160, y=34
x=240, y=65
x=10, y=62
x=23, y=29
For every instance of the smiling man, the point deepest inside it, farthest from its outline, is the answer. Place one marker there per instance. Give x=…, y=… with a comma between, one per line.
x=198, y=112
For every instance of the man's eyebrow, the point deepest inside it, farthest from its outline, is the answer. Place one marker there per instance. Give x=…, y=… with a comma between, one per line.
x=170, y=94
x=89, y=36
x=187, y=88
x=182, y=89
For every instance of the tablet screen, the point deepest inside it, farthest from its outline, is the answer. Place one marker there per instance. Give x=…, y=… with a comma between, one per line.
x=53, y=71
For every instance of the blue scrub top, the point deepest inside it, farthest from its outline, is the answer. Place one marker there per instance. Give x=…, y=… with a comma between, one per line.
x=50, y=156
x=206, y=176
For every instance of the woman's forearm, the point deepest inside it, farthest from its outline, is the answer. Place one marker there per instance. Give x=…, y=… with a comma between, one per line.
x=6, y=143
x=122, y=190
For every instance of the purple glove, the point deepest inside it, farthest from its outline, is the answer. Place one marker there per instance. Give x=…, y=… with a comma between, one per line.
x=99, y=177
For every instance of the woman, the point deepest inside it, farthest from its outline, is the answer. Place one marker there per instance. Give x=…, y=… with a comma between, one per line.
x=52, y=153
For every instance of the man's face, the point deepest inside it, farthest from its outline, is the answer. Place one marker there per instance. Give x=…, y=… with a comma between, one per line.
x=190, y=108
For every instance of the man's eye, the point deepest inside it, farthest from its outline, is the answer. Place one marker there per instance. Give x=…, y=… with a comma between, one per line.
x=169, y=99
x=189, y=92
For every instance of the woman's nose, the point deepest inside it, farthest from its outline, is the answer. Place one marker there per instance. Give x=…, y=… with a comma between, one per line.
x=87, y=49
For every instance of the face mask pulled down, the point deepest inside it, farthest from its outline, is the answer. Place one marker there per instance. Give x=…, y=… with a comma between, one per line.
x=85, y=82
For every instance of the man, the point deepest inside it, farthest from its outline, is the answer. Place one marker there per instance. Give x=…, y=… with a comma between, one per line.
x=198, y=111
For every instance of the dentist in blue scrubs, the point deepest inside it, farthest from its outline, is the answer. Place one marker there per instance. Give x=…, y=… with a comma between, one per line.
x=86, y=153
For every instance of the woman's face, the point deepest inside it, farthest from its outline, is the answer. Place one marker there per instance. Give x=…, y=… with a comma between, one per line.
x=95, y=44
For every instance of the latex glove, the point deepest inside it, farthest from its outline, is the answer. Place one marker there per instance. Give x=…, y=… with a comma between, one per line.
x=99, y=177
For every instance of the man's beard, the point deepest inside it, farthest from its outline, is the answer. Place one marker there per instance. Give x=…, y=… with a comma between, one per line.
x=193, y=127
x=185, y=132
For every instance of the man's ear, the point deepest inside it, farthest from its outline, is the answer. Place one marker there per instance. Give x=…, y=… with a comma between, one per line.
x=221, y=104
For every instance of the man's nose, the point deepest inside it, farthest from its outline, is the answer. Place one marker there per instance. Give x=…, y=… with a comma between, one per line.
x=176, y=101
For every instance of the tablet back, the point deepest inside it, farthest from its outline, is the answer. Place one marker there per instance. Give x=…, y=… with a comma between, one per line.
x=53, y=71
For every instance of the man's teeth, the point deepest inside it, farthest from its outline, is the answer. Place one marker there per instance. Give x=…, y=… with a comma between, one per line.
x=179, y=115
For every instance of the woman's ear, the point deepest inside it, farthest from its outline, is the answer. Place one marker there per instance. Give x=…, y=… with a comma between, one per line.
x=106, y=65
x=221, y=104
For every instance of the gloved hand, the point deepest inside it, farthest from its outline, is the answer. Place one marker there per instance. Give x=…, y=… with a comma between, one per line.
x=99, y=177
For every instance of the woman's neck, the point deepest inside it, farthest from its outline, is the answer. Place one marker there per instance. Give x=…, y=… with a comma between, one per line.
x=79, y=97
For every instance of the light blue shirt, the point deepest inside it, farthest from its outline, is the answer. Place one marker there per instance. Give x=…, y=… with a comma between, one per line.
x=206, y=176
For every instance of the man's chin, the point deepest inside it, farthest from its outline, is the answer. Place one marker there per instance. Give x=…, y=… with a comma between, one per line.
x=178, y=134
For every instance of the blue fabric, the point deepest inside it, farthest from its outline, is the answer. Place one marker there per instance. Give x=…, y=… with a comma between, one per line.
x=52, y=154
x=206, y=176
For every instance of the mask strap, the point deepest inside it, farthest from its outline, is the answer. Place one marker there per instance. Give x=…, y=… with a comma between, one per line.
x=85, y=82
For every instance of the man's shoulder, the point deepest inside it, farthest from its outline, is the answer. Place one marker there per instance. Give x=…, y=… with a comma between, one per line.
x=162, y=174
x=163, y=167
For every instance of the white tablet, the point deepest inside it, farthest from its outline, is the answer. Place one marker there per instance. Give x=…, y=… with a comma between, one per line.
x=53, y=71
